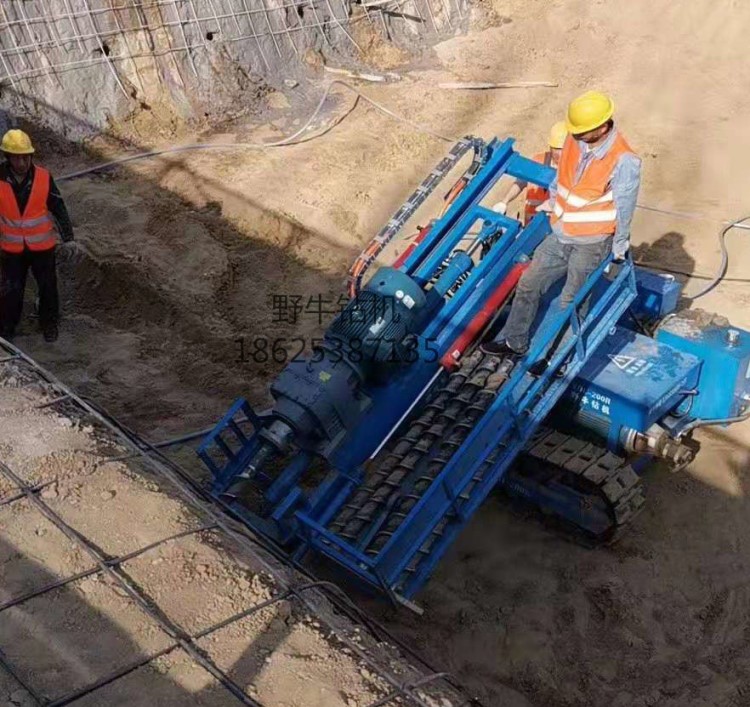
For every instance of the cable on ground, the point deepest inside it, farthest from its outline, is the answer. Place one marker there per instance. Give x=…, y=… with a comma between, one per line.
x=293, y=139
x=724, y=258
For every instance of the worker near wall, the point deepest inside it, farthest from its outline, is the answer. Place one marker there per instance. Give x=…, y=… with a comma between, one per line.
x=30, y=207
x=536, y=195
x=592, y=201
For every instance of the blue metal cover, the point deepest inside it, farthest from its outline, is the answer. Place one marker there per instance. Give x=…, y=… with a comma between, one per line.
x=632, y=380
x=658, y=294
x=725, y=377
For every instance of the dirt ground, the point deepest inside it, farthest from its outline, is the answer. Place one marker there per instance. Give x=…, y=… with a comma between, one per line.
x=180, y=257
x=67, y=638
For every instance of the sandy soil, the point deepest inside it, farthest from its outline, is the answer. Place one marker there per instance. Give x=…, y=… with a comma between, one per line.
x=69, y=637
x=182, y=256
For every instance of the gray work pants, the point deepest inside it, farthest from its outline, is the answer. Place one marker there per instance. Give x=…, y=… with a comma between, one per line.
x=552, y=260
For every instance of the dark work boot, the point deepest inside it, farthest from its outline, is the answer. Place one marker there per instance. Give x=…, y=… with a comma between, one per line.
x=540, y=367
x=50, y=333
x=500, y=349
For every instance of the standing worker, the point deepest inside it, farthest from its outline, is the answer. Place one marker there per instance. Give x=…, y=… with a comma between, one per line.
x=594, y=197
x=29, y=201
x=535, y=195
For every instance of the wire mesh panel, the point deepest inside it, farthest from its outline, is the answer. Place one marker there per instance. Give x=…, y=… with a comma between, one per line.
x=41, y=37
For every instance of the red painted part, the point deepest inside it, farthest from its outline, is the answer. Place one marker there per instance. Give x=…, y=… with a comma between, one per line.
x=496, y=300
x=412, y=246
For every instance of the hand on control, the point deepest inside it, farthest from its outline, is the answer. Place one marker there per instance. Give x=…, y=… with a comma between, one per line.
x=619, y=255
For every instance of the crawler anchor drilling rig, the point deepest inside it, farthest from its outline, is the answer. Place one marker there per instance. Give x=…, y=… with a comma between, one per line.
x=416, y=426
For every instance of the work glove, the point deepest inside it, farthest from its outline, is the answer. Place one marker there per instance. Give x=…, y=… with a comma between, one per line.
x=619, y=255
x=500, y=208
x=545, y=207
x=69, y=250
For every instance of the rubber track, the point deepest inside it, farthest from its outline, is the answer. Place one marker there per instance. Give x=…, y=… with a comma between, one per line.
x=586, y=467
x=411, y=463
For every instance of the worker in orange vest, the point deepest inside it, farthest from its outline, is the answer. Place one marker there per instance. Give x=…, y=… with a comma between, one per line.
x=31, y=206
x=535, y=195
x=592, y=202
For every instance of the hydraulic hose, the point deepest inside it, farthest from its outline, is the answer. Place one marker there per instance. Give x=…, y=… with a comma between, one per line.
x=724, y=258
x=695, y=424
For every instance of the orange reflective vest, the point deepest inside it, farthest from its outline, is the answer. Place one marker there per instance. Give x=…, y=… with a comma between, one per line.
x=34, y=229
x=535, y=195
x=587, y=207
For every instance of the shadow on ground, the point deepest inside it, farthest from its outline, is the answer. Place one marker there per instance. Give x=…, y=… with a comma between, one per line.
x=63, y=643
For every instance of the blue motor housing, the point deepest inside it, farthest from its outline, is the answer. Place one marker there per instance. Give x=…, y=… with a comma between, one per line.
x=323, y=397
x=374, y=328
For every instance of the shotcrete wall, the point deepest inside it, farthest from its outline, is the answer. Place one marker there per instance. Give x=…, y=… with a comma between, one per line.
x=78, y=65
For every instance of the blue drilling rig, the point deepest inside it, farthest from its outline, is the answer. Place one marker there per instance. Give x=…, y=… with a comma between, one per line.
x=415, y=426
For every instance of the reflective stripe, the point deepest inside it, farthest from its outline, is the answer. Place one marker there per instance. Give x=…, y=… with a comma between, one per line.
x=26, y=224
x=576, y=201
x=16, y=244
x=33, y=222
x=589, y=216
x=534, y=202
x=609, y=196
x=39, y=238
x=579, y=202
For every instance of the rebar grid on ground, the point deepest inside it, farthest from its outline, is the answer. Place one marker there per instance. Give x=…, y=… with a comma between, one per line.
x=189, y=490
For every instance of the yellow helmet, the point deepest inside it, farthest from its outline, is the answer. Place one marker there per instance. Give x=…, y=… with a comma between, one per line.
x=17, y=142
x=589, y=111
x=557, y=135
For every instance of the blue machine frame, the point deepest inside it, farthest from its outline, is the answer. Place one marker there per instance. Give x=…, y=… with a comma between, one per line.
x=298, y=517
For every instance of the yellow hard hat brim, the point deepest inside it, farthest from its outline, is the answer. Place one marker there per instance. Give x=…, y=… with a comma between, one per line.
x=581, y=129
x=557, y=135
x=16, y=142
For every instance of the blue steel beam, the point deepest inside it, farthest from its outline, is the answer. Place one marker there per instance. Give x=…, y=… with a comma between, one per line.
x=530, y=171
x=488, y=174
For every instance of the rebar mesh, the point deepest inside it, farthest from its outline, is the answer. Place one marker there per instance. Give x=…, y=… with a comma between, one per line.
x=289, y=584
x=43, y=37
